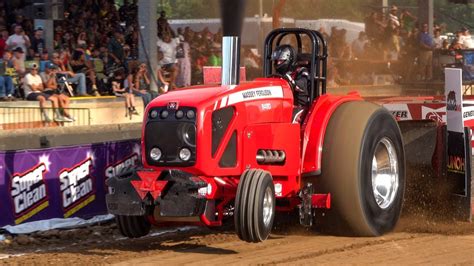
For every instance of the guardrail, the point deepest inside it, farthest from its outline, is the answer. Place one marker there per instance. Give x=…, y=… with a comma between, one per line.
x=30, y=117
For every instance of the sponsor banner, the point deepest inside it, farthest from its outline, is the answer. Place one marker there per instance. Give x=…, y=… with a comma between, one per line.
x=399, y=111
x=61, y=182
x=453, y=94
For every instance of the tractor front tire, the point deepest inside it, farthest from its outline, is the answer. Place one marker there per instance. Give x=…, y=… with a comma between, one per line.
x=133, y=226
x=254, y=206
x=363, y=167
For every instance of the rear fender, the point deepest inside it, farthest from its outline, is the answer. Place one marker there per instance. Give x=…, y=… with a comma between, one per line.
x=314, y=129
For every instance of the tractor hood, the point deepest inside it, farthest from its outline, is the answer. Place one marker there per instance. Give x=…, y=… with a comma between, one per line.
x=201, y=96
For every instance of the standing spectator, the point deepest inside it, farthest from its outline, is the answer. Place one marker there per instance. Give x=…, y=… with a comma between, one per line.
x=426, y=53
x=358, y=45
x=168, y=47
x=6, y=81
x=184, y=77
x=34, y=91
x=392, y=31
x=467, y=41
x=37, y=43
x=437, y=40
x=19, y=40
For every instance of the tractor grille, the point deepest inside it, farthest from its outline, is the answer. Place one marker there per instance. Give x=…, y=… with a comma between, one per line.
x=170, y=135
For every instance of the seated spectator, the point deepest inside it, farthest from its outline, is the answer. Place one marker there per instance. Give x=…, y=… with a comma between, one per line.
x=51, y=88
x=120, y=91
x=34, y=91
x=141, y=83
x=168, y=46
x=79, y=64
x=71, y=77
x=6, y=81
x=130, y=84
x=44, y=61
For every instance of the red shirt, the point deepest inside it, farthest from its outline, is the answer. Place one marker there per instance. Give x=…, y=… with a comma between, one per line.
x=3, y=44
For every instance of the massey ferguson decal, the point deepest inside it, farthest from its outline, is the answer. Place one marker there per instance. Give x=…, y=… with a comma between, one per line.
x=77, y=187
x=438, y=114
x=28, y=192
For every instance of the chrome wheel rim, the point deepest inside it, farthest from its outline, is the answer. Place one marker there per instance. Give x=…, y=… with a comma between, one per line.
x=385, y=176
x=267, y=206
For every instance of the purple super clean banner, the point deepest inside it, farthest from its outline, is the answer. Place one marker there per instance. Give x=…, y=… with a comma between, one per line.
x=61, y=182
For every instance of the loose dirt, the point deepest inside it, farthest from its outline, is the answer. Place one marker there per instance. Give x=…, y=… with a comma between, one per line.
x=415, y=240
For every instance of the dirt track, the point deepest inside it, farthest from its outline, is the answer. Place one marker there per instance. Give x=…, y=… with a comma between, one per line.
x=414, y=241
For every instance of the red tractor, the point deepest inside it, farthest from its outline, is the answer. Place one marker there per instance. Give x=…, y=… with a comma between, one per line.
x=212, y=152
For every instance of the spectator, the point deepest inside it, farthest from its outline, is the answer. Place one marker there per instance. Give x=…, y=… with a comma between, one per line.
x=44, y=61
x=3, y=42
x=115, y=48
x=437, y=40
x=34, y=91
x=79, y=64
x=19, y=61
x=426, y=53
x=119, y=90
x=19, y=40
x=71, y=77
x=50, y=83
x=392, y=31
x=6, y=82
x=141, y=84
x=467, y=41
x=358, y=45
x=37, y=43
x=168, y=63
x=458, y=42
x=184, y=76
x=130, y=85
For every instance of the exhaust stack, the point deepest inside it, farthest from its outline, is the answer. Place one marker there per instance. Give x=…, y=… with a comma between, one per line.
x=232, y=12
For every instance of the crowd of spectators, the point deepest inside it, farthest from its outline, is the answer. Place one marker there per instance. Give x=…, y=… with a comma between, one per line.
x=96, y=49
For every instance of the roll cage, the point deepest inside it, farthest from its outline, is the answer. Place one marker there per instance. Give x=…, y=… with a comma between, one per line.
x=317, y=65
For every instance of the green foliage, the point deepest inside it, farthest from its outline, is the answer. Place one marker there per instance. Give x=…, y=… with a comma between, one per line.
x=355, y=10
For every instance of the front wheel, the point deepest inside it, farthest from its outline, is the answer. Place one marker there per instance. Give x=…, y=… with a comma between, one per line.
x=363, y=167
x=133, y=226
x=254, y=206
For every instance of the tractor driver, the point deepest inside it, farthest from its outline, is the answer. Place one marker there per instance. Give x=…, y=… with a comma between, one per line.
x=284, y=62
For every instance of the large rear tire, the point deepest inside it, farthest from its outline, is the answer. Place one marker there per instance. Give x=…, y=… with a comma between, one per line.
x=133, y=226
x=363, y=167
x=254, y=206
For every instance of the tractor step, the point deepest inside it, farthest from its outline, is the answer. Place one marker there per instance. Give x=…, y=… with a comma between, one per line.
x=311, y=201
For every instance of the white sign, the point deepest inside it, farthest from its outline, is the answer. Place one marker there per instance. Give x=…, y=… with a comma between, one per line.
x=453, y=93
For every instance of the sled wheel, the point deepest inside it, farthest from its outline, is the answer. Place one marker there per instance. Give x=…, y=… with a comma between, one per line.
x=254, y=206
x=133, y=226
x=363, y=167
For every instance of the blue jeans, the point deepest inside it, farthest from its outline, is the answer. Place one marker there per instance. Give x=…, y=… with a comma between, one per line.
x=80, y=80
x=146, y=97
x=6, y=86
